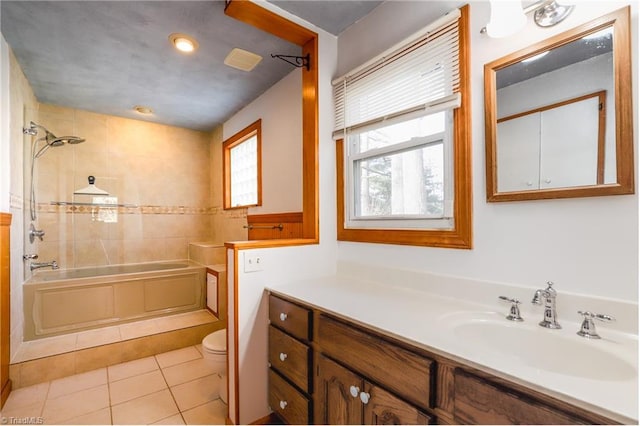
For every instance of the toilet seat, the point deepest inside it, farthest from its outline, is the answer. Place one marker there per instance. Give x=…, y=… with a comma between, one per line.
x=216, y=342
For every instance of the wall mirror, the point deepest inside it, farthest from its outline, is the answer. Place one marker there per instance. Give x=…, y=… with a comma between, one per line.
x=558, y=115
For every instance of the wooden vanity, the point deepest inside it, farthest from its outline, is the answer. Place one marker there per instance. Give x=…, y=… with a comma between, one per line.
x=325, y=370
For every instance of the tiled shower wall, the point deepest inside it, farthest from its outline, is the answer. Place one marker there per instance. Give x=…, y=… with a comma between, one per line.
x=160, y=174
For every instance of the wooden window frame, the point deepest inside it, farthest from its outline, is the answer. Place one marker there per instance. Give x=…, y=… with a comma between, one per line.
x=461, y=235
x=253, y=129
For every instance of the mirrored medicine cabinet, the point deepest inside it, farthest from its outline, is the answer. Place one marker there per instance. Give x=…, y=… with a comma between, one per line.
x=558, y=115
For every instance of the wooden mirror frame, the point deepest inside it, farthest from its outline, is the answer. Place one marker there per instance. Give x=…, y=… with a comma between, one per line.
x=620, y=21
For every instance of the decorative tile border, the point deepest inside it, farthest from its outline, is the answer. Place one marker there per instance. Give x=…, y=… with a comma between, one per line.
x=148, y=209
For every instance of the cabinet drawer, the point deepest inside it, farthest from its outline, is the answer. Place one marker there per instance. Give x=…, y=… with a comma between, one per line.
x=285, y=400
x=405, y=373
x=384, y=408
x=480, y=402
x=290, y=357
x=290, y=317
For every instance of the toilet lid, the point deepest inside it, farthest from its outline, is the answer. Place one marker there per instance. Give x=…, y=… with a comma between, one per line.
x=216, y=342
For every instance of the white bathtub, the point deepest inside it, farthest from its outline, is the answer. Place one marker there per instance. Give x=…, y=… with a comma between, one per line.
x=66, y=301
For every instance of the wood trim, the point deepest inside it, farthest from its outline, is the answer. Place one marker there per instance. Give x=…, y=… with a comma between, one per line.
x=290, y=217
x=310, y=138
x=461, y=236
x=5, y=306
x=269, y=22
x=270, y=419
x=236, y=358
x=620, y=20
x=253, y=129
x=247, y=245
x=206, y=305
x=275, y=226
x=600, y=94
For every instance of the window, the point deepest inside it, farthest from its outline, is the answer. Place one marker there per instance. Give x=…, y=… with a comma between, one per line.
x=242, y=168
x=403, y=145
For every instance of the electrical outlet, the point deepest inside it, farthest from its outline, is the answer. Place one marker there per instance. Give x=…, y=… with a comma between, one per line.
x=252, y=262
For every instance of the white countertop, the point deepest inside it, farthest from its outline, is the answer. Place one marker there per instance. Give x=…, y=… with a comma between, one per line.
x=425, y=319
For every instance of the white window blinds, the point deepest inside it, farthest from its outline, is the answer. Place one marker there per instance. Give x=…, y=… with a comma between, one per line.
x=421, y=73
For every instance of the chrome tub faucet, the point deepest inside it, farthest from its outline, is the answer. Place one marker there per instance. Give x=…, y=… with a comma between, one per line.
x=37, y=265
x=548, y=297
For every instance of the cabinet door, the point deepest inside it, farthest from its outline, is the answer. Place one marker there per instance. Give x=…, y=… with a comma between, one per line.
x=383, y=408
x=334, y=402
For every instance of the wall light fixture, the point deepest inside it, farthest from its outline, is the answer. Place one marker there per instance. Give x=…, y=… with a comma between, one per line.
x=508, y=16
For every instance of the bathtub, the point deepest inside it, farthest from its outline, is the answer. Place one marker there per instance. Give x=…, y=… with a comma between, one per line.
x=71, y=300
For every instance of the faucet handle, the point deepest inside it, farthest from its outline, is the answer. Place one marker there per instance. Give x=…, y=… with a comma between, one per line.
x=588, y=327
x=514, y=312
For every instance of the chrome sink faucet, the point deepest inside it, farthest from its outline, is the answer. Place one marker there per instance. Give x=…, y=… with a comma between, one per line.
x=37, y=265
x=548, y=295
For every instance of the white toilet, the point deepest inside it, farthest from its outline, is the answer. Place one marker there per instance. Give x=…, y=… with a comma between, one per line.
x=214, y=350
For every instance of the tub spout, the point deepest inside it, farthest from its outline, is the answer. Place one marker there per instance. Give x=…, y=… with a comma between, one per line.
x=37, y=265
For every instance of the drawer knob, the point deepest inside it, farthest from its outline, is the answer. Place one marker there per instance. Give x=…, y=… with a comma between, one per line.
x=283, y=404
x=283, y=316
x=283, y=356
x=364, y=397
x=354, y=390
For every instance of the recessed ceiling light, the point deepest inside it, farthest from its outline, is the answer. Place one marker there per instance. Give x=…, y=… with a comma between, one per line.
x=242, y=59
x=183, y=42
x=141, y=109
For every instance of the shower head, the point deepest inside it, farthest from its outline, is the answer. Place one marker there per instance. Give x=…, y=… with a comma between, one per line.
x=59, y=141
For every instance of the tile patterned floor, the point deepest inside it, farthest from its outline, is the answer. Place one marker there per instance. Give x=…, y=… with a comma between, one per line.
x=87, y=339
x=176, y=387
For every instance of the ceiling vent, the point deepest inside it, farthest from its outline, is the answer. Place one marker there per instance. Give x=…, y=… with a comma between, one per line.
x=242, y=60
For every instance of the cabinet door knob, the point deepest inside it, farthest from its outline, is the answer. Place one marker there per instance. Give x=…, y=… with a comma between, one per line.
x=283, y=316
x=283, y=404
x=354, y=390
x=364, y=397
x=547, y=180
x=283, y=356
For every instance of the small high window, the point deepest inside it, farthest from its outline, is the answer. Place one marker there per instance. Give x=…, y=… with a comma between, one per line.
x=243, y=168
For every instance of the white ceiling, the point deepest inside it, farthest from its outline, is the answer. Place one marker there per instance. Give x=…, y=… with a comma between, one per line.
x=107, y=56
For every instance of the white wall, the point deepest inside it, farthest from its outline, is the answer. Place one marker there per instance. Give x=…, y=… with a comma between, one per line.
x=5, y=165
x=280, y=109
x=585, y=245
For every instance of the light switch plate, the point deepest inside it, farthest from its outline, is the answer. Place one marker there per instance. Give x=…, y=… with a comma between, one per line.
x=252, y=262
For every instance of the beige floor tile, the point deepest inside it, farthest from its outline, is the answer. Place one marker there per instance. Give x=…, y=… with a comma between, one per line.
x=103, y=336
x=77, y=404
x=199, y=347
x=77, y=382
x=211, y=413
x=197, y=392
x=27, y=396
x=132, y=368
x=145, y=410
x=173, y=420
x=136, y=386
x=30, y=410
x=49, y=346
x=188, y=319
x=178, y=356
x=187, y=371
x=45, y=369
x=101, y=417
x=138, y=329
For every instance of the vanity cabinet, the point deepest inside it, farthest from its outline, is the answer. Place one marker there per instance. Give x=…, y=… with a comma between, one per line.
x=344, y=397
x=290, y=360
x=338, y=372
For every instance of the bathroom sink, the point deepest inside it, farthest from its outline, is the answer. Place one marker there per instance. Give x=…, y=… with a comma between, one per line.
x=557, y=351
